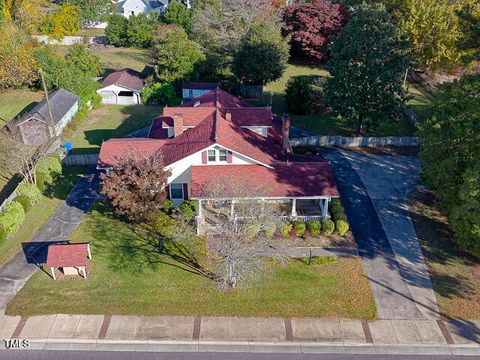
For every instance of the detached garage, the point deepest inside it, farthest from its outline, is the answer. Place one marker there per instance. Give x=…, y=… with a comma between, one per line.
x=122, y=88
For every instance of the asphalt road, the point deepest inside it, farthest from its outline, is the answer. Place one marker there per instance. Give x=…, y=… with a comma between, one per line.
x=104, y=355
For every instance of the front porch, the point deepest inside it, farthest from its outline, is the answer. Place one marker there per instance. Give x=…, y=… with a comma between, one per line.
x=303, y=209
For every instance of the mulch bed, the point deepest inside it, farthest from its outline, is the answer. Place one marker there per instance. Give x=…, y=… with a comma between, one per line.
x=333, y=240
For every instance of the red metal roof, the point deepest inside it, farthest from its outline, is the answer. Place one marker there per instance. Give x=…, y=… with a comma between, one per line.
x=127, y=78
x=284, y=180
x=114, y=149
x=67, y=255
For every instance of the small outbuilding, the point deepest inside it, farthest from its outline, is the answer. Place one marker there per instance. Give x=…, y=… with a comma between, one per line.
x=70, y=259
x=122, y=88
x=37, y=126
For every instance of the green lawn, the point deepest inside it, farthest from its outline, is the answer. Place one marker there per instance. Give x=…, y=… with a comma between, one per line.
x=91, y=32
x=111, y=121
x=38, y=216
x=16, y=102
x=327, y=123
x=127, y=276
x=422, y=102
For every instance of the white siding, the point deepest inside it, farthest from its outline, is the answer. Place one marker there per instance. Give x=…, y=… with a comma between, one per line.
x=110, y=96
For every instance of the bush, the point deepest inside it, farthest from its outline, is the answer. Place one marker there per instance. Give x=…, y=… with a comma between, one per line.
x=164, y=224
x=29, y=191
x=286, y=229
x=298, y=95
x=160, y=94
x=334, y=202
x=25, y=202
x=11, y=218
x=314, y=227
x=328, y=227
x=188, y=210
x=167, y=206
x=252, y=231
x=342, y=227
x=48, y=170
x=299, y=227
x=340, y=216
x=116, y=30
x=269, y=230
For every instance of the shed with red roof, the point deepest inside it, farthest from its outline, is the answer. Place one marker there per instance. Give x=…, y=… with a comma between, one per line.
x=70, y=259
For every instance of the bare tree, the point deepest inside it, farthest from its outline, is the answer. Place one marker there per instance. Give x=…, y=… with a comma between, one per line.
x=19, y=158
x=225, y=22
x=136, y=188
x=242, y=236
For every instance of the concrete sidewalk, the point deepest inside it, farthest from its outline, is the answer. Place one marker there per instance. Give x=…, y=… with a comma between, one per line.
x=15, y=272
x=187, y=333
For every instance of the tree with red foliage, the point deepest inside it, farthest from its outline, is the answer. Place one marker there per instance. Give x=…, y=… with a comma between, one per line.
x=312, y=24
x=136, y=188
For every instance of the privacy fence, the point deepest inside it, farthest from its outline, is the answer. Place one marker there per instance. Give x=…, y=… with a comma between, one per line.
x=343, y=141
x=80, y=160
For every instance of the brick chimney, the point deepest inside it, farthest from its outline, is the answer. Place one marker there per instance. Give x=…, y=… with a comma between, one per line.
x=285, y=133
x=228, y=116
x=177, y=125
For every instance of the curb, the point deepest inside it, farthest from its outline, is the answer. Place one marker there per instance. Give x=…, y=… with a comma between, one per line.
x=299, y=347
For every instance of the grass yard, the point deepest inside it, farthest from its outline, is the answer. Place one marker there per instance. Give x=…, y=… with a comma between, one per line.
x=127, y=276
x=111, y=121
x=327, y=123
x=17, y=102
x=91, y=32
x=422, y=102
x=455, y=275
x=38, y=216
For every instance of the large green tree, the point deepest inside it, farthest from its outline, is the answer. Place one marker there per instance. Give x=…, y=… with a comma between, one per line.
x=116, y=30
x=469, y=17
x=177, y=13
x=93, y=11
x=434, y=31
x=262, y=56
x=368, y=60
x=450, y=152
x=175, y=55
x=140, y=29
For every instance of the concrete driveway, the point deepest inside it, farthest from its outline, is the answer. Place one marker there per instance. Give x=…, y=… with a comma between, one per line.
x=374, y=189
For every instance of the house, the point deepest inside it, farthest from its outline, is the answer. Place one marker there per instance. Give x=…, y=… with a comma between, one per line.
x=37, y=126
x=135, y=7
x=122, y=87
x=191, y=90
x=218, y=135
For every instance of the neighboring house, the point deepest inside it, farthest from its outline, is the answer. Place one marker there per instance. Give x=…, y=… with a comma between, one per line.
x=122, y=88
x=191, y=90
x=135, y=7
x=218, y=135
x=37, y=127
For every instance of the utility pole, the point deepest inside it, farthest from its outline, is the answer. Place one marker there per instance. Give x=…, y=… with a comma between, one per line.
x=52, y=125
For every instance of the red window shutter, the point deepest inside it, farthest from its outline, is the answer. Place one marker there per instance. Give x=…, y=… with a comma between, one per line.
x=229, y=157
x=167, y=189
x=204, y=157
x=185, y=191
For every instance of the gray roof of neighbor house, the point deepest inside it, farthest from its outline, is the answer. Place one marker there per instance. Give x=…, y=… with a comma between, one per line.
x=61, y=101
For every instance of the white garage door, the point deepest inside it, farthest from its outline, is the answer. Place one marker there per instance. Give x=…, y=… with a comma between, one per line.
x=108, y=97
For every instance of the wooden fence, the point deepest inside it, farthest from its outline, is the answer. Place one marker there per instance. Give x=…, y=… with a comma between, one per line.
x=342, y=141
x=80, y=160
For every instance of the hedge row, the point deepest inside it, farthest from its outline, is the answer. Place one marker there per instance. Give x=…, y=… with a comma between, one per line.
x=339, y=216
x=28, y=195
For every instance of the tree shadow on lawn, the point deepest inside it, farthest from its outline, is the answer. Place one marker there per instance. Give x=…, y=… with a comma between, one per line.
x=127, y=248
x=136, y=118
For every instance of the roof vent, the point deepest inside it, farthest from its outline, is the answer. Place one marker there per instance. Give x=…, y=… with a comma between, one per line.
x=197, y=103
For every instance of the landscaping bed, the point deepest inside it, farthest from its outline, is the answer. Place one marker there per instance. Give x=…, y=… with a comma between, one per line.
x=128, y=276
x=455, y=274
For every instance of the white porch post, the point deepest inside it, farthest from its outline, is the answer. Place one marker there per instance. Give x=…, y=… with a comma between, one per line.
x=199, y=208
x=294, y=207
x=324, y=207
x=232, y=209
x=89, y=252
x=52, y=269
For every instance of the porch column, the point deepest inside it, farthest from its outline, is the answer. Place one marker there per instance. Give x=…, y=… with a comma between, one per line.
x=232, y=209
x=294, y=207
x=199, y=208
x=324, y=207
x=52, y=269
x=89, y=252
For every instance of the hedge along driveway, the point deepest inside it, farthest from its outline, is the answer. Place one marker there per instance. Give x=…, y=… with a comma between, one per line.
x=49, y=202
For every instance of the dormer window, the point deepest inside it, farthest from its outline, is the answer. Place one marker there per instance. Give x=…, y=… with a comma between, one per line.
x=212, y=156
x=222, y=155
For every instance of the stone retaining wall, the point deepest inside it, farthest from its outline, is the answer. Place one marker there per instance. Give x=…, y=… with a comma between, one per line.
x=360, y=141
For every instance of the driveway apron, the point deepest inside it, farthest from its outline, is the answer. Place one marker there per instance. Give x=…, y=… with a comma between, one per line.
x=15, y=273
x=375, y=203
